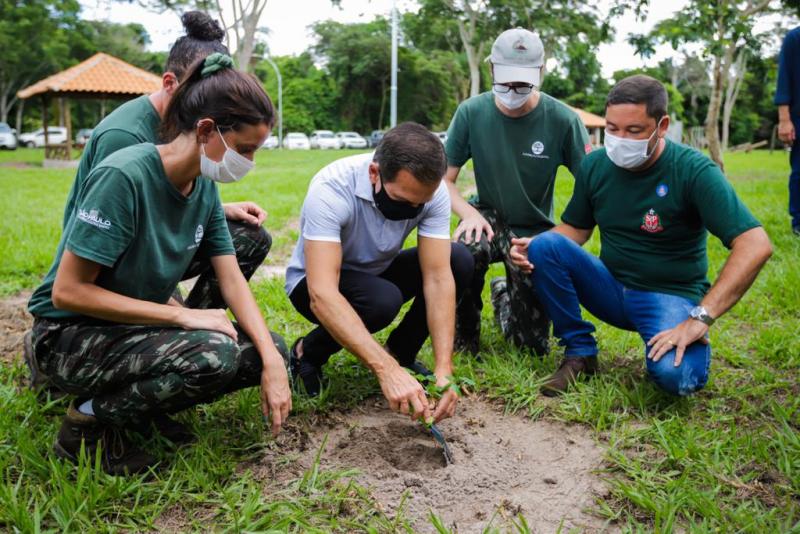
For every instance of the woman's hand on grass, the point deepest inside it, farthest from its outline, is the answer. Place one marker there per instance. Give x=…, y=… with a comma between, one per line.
x=276, y=395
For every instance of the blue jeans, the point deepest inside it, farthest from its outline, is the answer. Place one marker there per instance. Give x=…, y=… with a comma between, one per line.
x=794, y=177
x=566, y=276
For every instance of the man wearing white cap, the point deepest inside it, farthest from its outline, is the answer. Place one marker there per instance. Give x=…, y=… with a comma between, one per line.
x=517, y=137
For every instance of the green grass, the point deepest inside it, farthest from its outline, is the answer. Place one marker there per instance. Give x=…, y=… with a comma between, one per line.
x=724, y=460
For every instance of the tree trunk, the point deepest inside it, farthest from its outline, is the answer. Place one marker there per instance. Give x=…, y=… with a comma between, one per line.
x=472, y=59
x=20, y=111
x=720, y=70
x=732, y=93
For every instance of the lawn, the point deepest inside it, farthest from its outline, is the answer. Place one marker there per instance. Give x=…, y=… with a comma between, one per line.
x=724, y=460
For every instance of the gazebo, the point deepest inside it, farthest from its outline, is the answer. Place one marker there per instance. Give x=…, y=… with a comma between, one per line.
x=594, y=124
x=101, y=76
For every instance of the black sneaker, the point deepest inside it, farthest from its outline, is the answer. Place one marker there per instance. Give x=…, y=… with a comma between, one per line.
x=39, y=382
x=418, y=368
x=310, y=374
x=117, y=455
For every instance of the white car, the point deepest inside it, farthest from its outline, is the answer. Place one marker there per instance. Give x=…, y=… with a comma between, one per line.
x=442, y=136
x=351, y=140
x=7, y=138
x=271, y=142
x=56, y=136
x=324, y=139
x=296, y=141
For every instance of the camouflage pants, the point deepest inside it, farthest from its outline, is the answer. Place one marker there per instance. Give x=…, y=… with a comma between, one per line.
x=252, y=244
x=517, y=309
x=134, y=372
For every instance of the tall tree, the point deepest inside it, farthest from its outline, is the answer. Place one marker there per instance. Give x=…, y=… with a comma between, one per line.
x=725, y=29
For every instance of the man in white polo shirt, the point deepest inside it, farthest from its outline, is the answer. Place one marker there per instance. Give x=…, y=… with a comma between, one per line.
x=349, y=275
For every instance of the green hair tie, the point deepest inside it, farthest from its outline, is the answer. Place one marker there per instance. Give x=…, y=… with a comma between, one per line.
x=215, y=63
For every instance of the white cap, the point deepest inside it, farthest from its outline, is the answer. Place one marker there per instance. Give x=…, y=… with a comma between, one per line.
x=517, y=56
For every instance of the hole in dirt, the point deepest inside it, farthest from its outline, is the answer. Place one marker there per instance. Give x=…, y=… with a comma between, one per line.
x=502, y=466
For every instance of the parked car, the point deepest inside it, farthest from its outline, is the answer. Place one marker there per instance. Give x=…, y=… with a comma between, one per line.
x=82, y=137
x=351, y=140
x=271, y=142
x=375, y=138
x=442, y=136
x=296, y=141
x=324, y=139
x=7, y=138
x=56, y=135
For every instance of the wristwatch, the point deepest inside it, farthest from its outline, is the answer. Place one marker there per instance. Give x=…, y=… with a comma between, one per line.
x=699, y=313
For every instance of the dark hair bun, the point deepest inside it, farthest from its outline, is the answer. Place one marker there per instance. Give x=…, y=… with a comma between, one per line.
x=200, y=26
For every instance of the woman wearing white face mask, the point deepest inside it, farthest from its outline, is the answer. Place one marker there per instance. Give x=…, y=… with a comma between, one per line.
x=104, y=330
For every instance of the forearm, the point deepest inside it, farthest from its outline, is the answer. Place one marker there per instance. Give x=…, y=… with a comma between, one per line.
x=460, y=207
x=89, y=299
x=440, y=298
x=750, y=252
x=783, y=113
x=579, y=235
x=342, y=322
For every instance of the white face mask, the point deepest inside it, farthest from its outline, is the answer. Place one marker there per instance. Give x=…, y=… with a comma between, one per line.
x=511, y=100
x=629, y=153
x=232, y=168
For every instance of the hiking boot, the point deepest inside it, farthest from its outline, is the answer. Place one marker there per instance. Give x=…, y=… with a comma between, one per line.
x=39, y=382
x=167, y=427
x=469, y=346
x=117, y=455
x=309, y=373
x=568, y=372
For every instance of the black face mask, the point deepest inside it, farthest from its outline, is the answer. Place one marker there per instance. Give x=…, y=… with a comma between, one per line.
x=394, y=210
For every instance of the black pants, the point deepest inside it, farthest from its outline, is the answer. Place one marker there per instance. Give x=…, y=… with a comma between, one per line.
x=377, y=300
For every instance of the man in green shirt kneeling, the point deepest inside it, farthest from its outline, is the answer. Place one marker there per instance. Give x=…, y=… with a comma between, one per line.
x=517, y=137
x=654, y=202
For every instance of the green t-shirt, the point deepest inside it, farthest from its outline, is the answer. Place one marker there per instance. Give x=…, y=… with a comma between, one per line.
x=130, y=219
x=516, y=159
x=653, y=223
x=134, y=122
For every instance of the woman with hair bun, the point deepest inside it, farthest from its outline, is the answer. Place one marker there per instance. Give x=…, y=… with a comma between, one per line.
x=139, y=121
x=103, y=329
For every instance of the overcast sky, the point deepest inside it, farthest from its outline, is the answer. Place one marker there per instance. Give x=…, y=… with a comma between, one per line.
x=288, y=22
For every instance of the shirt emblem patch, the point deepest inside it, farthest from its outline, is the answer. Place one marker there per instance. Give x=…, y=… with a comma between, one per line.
x=94, y=218
x=651, y=222
x=662, y=190
x=198, y=234
x=587, y=148
x=537, y=147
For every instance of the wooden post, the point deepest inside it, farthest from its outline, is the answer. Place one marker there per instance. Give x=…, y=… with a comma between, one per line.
x=44, y=123
x=68, y=124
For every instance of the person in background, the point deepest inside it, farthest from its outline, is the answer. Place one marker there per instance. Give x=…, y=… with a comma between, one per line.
x=104, y=330
x=787, y=98
x=654, y=202
x=517, y=138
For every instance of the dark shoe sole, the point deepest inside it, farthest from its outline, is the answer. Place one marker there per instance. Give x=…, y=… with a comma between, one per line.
x=308, y=374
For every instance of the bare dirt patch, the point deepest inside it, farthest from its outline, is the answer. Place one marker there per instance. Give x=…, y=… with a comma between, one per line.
x=503, y=466
x=14, y=321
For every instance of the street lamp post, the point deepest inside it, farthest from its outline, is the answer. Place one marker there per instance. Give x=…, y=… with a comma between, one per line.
x=280, y=101
x=393, y=89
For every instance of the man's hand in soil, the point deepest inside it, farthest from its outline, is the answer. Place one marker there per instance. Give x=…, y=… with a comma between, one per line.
x=404, y=393
x=246, y=212
x=446, y=407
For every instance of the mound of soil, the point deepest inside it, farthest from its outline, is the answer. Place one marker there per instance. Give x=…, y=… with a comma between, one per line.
x=503, y=466
x=14, y=321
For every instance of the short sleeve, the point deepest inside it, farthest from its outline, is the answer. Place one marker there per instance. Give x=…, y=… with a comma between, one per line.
x=325, y=212
x=435, y=222
x=457, y=146
x=720, y=209
x=576, y=145
x=216, y=236
x=579, y=211
x=104, y=221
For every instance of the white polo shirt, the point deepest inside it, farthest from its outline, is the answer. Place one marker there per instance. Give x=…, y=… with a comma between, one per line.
x=339, y=208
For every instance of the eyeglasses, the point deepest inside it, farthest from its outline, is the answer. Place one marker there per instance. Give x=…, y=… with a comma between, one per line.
x=519, y=89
